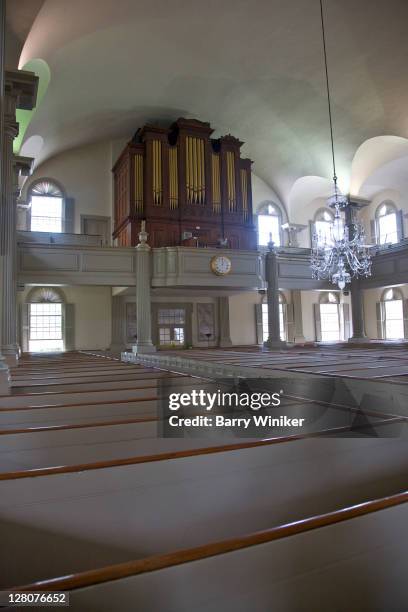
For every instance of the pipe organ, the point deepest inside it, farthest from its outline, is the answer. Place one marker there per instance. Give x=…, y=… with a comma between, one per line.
x=191, y=189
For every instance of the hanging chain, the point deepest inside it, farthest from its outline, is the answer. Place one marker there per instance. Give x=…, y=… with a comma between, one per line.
x=328, y=95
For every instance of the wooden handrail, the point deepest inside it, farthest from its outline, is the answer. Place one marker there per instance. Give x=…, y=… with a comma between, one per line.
x=37, y=393
x=78, y=404
x=74, y=367
x=182, y=454
x=157, y=562
x=68, y=381
x=48, y=428
x=72, y=373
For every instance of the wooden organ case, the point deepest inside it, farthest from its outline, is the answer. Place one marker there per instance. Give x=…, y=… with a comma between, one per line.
x=191, y=189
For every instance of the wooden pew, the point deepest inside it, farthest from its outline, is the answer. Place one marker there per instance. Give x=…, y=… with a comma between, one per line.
x=116, y=511
x=350, y=559
x=116, y=382
x=51, y=434
x=127, y=405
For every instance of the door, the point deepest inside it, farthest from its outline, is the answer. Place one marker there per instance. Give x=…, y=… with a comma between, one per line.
x=96, y=226
x=330, y=322
x=171, y=327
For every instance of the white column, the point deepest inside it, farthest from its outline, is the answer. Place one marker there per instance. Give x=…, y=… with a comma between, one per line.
x=298, y=316
x=272, y=296
x=224, y=322
x=118, y=324
x=20, y=92
x=144, y=342
x=357, y=312
x=9, y=323
x=357, y=306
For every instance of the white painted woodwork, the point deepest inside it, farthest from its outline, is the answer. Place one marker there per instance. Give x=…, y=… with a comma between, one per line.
x=355, y=565
x=116, y=514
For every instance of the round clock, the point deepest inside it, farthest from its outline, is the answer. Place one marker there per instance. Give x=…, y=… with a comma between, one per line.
x=220, y=265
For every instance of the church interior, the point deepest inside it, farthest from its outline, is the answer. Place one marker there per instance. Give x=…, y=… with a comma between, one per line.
x=199, y=196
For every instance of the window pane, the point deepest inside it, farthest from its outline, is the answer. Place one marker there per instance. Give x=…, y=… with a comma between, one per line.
x=323, y=231
x=394, y=320
x=265, y=328
x=179, y=335
x=45, y=327
x=268, y=224
x=330, y=323
x=388, y=229
x=164, y=335
x=282, y=323
x=171, y=316
x=265, y=323
x=46, y=214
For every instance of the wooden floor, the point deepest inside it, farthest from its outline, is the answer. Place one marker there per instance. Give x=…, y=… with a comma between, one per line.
x=95, y=503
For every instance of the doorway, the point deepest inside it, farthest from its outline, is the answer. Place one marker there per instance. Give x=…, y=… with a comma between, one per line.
x=95, y=225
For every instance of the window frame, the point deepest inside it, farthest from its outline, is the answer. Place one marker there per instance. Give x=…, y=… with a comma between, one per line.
x=58, y=192
x=321, y=212
x=264, y=211
x=390, y=295
x=170, y=321
x=330, y=298
x=42, y=322
x=391, y=209
x=47, y=295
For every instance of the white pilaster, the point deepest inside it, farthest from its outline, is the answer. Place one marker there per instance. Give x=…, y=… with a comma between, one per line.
x=4, y=370
x=224, y=322
x=298, y=316
x=272, y=296
x=118, y=344
x=20, y=92
x=357, y=313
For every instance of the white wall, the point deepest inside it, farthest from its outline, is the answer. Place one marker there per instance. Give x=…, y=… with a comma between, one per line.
x=262, y=192
x=85, y=175
x=308, y=299
x=242, y=317
x=304, y=215
x=92, y=315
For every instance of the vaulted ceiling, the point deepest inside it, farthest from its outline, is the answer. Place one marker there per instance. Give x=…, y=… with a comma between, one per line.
x=253, y=68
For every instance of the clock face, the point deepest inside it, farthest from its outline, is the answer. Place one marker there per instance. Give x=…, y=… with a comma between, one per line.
x=221, y=265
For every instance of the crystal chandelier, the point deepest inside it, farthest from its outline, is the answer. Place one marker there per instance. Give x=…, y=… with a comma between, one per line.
x=343, y=254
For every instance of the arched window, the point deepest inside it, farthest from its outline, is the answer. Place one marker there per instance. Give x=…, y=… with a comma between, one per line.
x=47, y=206
x=329, y=316
x=386, y=223
x=322, y=226
x=393, y=314
x=269, y=222
x=45, y=320
x=282, y=318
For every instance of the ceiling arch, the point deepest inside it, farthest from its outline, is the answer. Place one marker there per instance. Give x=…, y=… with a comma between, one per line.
x=252, y=69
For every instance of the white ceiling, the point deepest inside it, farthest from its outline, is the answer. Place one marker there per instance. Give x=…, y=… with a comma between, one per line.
x=19, y=19
x=251, y=67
